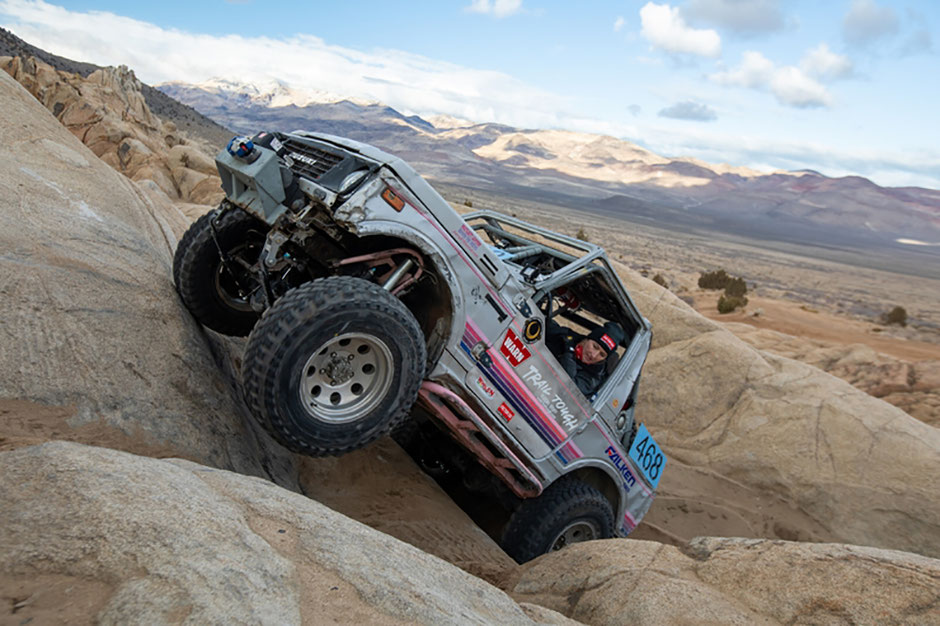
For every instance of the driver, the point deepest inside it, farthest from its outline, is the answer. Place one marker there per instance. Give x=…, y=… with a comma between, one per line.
x=584, y=358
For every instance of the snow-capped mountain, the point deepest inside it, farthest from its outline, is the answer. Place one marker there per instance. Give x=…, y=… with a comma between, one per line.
x=268, y=92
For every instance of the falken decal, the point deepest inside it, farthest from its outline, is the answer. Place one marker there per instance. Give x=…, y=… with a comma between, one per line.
x=485, y=388
x=514, y=349
x=628, y=478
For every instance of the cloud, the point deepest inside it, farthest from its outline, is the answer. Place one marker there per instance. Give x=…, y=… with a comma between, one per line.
x=408, y=82
x=789, y=84
x=496, y=8
x=689, y=110
x=918, y=42
x=866, y=23
x=742, y=17
x=665, y=29
x=793, y=87
x=417, y=84
x=755, y=70
x=826, y=65
x=634, y=109
x=618, y=23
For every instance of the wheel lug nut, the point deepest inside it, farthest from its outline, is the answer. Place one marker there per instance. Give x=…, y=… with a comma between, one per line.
x=349, y=358
x=333, y=354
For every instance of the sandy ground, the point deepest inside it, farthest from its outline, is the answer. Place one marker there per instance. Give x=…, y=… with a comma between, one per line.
x=800, y=320
x=697, y=502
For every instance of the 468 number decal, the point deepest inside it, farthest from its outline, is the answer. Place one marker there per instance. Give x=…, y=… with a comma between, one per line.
x=648, y=456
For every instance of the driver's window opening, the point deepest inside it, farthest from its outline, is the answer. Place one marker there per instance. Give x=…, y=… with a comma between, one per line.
x=586, y=309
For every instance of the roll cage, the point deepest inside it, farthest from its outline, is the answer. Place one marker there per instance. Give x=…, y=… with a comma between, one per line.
x=577, y=266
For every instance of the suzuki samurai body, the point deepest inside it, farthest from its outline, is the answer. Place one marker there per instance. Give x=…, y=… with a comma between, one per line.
x=372, y=307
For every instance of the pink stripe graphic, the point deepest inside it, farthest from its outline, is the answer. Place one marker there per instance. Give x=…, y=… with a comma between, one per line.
x=517, y=384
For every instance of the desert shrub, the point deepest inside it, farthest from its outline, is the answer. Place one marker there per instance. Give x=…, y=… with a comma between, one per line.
x=735, y=287
x=713, y=280
x=468, y=203
x=727, y=304
x=897, y=315
x=582, y=235
x=659, y=280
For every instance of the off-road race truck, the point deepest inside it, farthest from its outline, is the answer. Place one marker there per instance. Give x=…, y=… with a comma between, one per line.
x=372, y=306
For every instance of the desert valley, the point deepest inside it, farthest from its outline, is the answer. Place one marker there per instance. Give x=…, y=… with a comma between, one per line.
x=802, y=430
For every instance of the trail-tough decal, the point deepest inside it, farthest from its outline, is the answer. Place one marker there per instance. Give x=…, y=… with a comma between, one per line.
x=554, y=402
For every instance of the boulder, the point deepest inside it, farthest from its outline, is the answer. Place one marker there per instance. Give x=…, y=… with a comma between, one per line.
x=108, y=113
x=103, y=352
x=764, y=446
x=189, y=157
x=140, y=540
x=100, y=348
x=913, y=387
x=733, y=581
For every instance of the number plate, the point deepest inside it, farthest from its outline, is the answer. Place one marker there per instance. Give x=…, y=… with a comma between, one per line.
x=648, y=456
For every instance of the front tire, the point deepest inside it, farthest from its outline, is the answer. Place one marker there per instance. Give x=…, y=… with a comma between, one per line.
x=333, y=365
x=217, y=293
x=568, y=511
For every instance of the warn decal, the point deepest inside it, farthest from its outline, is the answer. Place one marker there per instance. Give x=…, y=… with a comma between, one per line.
x=514, y=349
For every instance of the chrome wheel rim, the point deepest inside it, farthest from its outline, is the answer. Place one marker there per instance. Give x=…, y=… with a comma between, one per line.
x=346, y=378
x=575, y=532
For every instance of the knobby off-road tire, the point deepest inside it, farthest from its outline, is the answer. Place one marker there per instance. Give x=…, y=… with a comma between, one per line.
x=568, y=511
x=333, y=365
x=209, y=289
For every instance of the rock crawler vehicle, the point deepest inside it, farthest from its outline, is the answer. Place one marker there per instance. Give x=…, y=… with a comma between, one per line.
x=371, y=306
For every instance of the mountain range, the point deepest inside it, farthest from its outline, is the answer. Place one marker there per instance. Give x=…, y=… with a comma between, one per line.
x=597, y=173
x=836, y=218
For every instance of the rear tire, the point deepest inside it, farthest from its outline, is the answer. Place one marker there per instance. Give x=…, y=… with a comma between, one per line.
x=214, y=293
x=568, y=511
x=333, y=365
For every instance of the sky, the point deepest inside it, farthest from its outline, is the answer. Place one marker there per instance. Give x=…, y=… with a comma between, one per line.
x=843, y=87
